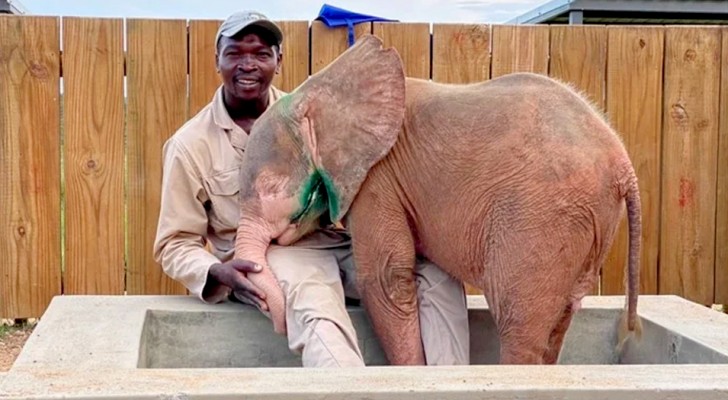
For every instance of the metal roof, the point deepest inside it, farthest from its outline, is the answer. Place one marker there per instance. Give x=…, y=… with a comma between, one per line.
x=12, y=7
x=627, y=12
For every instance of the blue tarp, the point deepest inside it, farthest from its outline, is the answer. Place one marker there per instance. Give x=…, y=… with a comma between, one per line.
x=335, y=16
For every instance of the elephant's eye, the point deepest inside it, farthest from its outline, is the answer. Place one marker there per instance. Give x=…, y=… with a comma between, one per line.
x=311, y=200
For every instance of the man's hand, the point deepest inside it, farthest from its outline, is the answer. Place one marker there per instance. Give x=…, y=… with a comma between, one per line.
x=233, y=274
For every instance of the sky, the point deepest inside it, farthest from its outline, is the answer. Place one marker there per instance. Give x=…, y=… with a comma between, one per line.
x=457, y=11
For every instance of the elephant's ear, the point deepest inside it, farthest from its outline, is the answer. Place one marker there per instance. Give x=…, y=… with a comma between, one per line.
x=352, y=112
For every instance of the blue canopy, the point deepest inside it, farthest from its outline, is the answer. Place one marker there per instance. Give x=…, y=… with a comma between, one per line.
x=335, y=16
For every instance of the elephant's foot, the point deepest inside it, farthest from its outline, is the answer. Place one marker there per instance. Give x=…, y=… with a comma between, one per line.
x=395, y=321
x=404, y=347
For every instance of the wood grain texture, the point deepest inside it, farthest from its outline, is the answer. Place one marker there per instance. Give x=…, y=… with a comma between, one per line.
x=204, y=79
x=157, y=85
x=328, y=43
x=690, y=120
x=570, y=46
x=460, y=53
x=412, y=41
x=30, y=180
x=721, y=220
x=294, y=68
x=634, y=107
x=520, y=48
x=93, y=126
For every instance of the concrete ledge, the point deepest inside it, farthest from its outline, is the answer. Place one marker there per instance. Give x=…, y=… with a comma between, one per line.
x=475, y=382
x=154, y=347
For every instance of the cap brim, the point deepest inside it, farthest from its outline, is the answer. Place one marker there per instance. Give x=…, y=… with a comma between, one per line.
x=268, y=25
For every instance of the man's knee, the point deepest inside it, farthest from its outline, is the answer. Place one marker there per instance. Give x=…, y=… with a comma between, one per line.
x=313, y=298
x=292, y=266
x=311, y=285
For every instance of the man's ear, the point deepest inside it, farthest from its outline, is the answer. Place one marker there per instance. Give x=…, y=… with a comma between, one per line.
x=217, y=62
x=280, y=60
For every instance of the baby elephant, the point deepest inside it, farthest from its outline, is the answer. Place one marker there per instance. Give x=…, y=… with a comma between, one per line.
x=515, y=186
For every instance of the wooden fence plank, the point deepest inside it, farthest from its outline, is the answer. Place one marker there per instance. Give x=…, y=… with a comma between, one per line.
x=328, y=43
x=412, y=41
x=294, y=69
x=520, y=48
x=460, y=53
x=157, y=84
x=721, y=231
x=690, y=118
x=93, y=127
x=30, y=215
x=569, y=47
x=634, y=107
x=204, y=79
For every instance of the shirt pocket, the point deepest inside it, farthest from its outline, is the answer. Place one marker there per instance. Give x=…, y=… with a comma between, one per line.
x=224, y=190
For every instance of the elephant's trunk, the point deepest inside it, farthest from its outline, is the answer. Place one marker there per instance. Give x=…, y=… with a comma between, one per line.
x=251, y=244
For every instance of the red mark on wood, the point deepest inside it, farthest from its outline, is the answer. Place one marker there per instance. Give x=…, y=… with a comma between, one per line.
x=457, y=37
x=687, y=190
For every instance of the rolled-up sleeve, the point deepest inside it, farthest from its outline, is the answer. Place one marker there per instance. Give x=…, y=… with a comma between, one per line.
x=179, y=245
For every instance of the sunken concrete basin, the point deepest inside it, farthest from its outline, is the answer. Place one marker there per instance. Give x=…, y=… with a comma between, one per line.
x=175, y=347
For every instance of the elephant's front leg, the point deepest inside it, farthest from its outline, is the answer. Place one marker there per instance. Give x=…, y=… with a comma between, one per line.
x=385, y=257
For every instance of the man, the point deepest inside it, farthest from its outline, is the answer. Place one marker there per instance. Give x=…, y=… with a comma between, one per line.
x=199, y=207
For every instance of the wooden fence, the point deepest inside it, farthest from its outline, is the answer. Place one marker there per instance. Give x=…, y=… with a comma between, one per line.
x=80, y=173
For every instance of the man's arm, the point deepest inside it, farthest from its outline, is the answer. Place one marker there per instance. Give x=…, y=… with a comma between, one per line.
x=179, y=245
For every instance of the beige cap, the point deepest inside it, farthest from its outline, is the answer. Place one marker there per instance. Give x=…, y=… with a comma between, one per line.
x=242, y=19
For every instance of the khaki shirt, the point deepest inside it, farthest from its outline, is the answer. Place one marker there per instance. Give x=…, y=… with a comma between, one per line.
x=200, y=188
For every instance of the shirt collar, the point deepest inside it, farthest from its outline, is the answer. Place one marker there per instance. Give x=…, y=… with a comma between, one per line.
x=221, y=117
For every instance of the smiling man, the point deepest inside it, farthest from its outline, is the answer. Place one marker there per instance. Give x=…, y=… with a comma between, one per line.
x=199, y=214
x=248, y=57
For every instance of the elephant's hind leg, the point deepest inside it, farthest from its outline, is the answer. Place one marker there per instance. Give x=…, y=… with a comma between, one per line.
x=526, y=332
x=385, y=257
x=589, y=276
x=532, y=314
x=556, y=340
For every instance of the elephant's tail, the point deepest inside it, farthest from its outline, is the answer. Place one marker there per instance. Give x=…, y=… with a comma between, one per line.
x=630, y=322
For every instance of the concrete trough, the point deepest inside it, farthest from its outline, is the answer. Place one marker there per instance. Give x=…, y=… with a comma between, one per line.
x=175, y=347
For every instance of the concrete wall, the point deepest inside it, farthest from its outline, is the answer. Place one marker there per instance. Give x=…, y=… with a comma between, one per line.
x=178, y=348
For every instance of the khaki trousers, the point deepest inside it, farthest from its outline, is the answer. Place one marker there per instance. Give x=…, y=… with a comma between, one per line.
x=316, y=275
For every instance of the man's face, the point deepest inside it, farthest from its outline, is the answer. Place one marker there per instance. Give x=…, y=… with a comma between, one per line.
x=247, y=63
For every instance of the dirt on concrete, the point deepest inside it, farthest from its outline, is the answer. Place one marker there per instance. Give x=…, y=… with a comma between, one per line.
x=12, y=339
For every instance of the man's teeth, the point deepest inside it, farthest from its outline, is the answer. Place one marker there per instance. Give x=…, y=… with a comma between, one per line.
x=246, y=81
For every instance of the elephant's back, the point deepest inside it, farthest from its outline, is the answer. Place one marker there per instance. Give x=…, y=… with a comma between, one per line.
x=500, y=155
x=527, y=119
